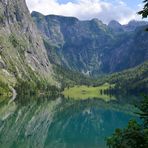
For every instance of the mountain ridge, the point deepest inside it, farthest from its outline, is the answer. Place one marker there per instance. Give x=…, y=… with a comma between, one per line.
x=29, y=53
x=91, y=47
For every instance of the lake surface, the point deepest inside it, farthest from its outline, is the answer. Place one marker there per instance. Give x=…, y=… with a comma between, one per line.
x=60, y=123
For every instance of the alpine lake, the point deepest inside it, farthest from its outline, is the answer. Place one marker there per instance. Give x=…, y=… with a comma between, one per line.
x=77, y=119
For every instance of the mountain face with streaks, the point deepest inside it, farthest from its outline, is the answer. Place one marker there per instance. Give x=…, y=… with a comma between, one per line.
x=27, y=52
x=92, y=47
x=22, y=52
x=47, y=123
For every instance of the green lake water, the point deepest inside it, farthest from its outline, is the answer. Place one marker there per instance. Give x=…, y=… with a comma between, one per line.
x=60, y=123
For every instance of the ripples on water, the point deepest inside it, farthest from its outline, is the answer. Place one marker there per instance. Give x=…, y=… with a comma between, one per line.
x=60, y=123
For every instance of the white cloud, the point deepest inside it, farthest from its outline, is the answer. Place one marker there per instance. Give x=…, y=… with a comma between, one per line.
x=86, y=9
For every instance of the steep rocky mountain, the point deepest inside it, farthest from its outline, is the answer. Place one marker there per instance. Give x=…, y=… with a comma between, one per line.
x=130, y=49
x=116, y=26
x=131, y=26
x=92, y=47
x=22, y=52
x=78, y=45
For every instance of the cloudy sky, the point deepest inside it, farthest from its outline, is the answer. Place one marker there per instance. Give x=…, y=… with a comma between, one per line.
x=105, y=10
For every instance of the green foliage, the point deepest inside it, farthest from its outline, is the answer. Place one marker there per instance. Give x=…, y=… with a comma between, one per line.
x=70, y=78
x=26, y=88
x=1, y=18
x=129, y=81
x=131, y=137
x=13, y=40
x=20, y=44
x=144, y=111
x=144, y=12
x=32, y=88
x=134, y=80
x=85, y=92
x=135, y=135
x=4, y=89
x=53, y=56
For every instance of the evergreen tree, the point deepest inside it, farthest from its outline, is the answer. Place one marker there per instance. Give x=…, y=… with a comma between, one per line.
x=135, y=135
x=144, y=12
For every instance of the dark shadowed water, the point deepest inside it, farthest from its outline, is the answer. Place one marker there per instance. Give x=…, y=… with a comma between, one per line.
x=60, y=123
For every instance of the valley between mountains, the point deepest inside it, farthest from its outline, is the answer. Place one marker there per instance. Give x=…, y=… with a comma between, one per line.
x=56, y=52
x=68, y=83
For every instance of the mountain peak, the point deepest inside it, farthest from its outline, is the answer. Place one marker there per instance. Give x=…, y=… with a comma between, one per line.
x=113, y=22
x=115, y=26
x=137, y=23
x=35, y=13
x=133, y=24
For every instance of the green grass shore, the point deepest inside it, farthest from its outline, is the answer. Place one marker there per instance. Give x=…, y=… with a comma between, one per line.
x=86, y=92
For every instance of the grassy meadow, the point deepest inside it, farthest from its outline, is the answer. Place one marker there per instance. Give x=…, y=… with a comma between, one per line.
x=86, y=92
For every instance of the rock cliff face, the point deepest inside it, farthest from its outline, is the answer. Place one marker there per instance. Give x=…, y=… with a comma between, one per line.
x=22, y=52
x=92, y=47
x=116, y=26
x=131, y=26
x=75, y=44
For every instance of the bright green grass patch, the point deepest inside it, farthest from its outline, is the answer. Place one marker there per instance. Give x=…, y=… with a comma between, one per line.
x=85, y=92
x=6, y=80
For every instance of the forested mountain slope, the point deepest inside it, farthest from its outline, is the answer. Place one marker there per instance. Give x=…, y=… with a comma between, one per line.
x=134, y=80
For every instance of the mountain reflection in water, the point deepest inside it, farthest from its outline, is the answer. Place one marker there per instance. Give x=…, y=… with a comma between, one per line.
x=60, y=123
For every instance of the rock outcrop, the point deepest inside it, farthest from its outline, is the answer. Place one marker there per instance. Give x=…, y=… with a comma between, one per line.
x=21, y=46
x=92, y=47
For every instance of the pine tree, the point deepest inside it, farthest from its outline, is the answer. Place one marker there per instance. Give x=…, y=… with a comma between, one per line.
x=144, y=12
